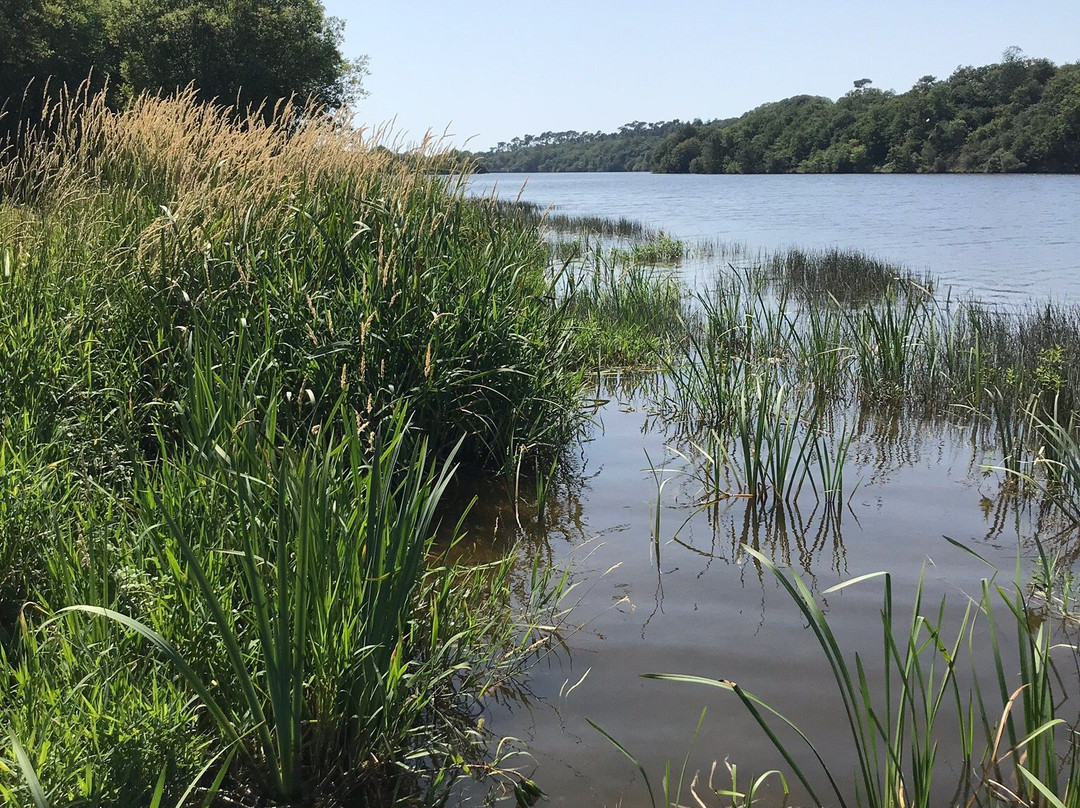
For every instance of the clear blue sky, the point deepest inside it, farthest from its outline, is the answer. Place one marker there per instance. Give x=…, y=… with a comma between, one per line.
x=488, y=71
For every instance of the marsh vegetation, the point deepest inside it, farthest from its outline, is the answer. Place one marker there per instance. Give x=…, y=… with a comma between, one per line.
x=788, y=367
x=244, y=360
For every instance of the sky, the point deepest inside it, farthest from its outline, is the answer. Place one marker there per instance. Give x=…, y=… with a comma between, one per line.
x=479, y=72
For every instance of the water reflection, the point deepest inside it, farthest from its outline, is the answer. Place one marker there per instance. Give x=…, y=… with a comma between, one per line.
x=665, y=583
x=941, y=222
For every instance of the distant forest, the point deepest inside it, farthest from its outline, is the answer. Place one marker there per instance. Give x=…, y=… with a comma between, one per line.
x=629, y=149
x=1021, y=114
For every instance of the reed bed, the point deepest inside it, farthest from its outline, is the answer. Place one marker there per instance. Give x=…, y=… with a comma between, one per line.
x=565, y=224
x=774, y=367
x=657, y=249
x=886, y=345
x=620, y=227
x=1016, y=746
x=241, y=358
x=847, y=276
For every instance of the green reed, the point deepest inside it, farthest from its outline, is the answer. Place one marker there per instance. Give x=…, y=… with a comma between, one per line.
x=846, y=276
x=773, y=450
x=1009, y=737
x=655, y=250
x=625, y=316
x=830, y=458
x=889, y=345
x=206, y=329
x=824, y=359
x=330, y=549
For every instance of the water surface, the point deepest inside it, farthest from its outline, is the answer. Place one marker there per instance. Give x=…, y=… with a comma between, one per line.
x=689, y=599
x=1003, y=238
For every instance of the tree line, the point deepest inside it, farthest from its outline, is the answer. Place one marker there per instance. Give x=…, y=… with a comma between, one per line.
x=1020, y=114
x=239, y=52
x=629, y=149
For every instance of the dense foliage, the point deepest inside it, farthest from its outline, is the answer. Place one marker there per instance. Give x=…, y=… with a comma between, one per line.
x=242, y=52
x=629, y=149
x=238, y=359
x=1021, y=114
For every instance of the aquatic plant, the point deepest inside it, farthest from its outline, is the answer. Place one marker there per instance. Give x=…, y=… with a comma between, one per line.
x=773, y=439
x=1007, y=751
x=656, y=249
x=550, y=220
x=625, y=316
x=845, y=276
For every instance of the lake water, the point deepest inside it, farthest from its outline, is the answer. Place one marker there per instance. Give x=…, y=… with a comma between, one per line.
x=690, y=600
x=1003, y=238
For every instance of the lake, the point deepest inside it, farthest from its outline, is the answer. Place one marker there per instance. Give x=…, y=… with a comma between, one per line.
x=689, y=599
x=1003, y=238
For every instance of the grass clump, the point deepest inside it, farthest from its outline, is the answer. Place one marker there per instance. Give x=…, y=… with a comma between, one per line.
x=847, y=276
x=655, y=250
x=239, y=357
x=565, y=224
x=627, y=316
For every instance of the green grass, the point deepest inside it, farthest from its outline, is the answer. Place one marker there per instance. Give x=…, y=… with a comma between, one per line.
x=655, y=250
x=846, y=276
x=241, y=361
x=550, y=220
x=1011, y=733
x=626, y=316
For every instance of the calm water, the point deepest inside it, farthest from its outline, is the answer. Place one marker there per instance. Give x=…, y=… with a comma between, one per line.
x=1001, y=238
x=689, y=600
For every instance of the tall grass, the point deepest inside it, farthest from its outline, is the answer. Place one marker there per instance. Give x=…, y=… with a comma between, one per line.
x=371, y=274
x=329, y=550
x=626, y=316
x=211, y=330
x=883, y=342
x=846, y=276
x=1009, y=737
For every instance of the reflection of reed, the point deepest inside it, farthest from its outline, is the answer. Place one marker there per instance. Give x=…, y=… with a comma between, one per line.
x=632, y=388
x=1036, y=521
x=781, y=529
x=888, y=440
x=491, y=525
x=785, y=534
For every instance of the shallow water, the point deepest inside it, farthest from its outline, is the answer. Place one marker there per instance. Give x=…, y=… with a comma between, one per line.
x=1002, y=238
x=705, y=608
x=690, y=599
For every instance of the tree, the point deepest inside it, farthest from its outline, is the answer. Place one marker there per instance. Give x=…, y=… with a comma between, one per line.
x=44, y=46
x=236, y=51
x=63, y=40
